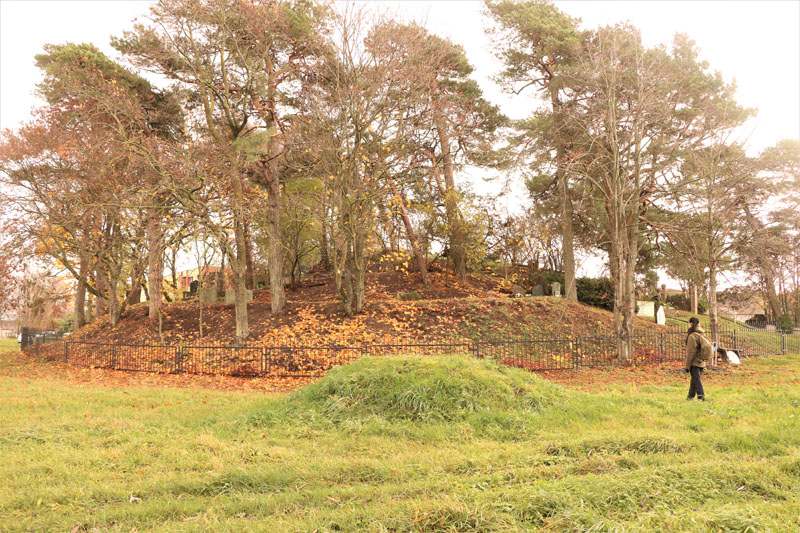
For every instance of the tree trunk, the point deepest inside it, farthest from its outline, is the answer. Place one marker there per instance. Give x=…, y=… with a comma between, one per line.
x=324, y=258
x=619, y=236
x=359, y=268
x=100, y=281
x=772, y=295
x=80, y=294
x=113, y=308
x=220, y=281
x=411, y=236
x=567, y=242
x=200, y=317
x=240, y=299
x=619, y=300
x=110, y=282
x=135, y=293
x=456, y=238
x=240, y=287
x=629, y=311
x=342, y=277
x=238, y=260
x=155, y=265
x=693, y=297
x=248, y=248
x=712, y=302
x=276, y=289
x=388, y=226
x=567, y=237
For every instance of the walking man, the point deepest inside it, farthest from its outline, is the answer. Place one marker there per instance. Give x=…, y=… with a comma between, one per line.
x=698, y=352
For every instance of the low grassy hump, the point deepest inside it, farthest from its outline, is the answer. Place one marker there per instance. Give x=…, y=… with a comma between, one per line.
x=425, y=388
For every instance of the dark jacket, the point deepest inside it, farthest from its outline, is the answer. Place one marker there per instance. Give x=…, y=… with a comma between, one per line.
x=694, y=344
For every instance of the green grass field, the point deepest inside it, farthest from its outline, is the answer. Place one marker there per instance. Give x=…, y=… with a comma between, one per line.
x=759, y=341
x=404, y=444
x=8, y=346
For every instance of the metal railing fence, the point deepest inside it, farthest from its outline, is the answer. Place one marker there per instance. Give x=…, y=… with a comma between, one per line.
x=301, y=360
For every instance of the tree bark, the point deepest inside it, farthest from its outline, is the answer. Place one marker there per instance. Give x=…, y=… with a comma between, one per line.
x=155, y=265
x=619, y=299
x=458, y=252
x=772, y=294
x=100, y=281
x=110, y=282
x=238, y=259
x=220, y=281
x=324, y=259
x=567, y=233
x=250, y=268
x=386, y=221
x=629, y=311
x=713, y=319
x=412, y=238
x=80, y=294
x=276, y=289
x=135, y=293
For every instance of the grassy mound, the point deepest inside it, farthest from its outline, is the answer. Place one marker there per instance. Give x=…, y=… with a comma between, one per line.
x=442, y=388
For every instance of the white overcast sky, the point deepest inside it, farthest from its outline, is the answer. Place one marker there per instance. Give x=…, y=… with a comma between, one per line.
x=757, y=43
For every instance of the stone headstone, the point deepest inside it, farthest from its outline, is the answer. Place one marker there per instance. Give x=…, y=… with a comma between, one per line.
x=661, y=318
x=646, y=308
x=230, y=296
x=556, y=289
x=208, y=295
x=517, y=291
x=538, y=290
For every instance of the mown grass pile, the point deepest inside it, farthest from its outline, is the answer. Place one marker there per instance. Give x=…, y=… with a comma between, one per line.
x=425, y=389
x=404, y=444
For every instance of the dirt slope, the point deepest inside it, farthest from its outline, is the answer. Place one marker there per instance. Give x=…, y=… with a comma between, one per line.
x=448, y=309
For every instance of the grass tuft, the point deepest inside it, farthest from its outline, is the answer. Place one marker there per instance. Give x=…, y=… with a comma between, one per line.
x=448, y=388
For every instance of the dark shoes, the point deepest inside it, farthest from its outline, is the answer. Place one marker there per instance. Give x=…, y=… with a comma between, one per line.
x=699, y=398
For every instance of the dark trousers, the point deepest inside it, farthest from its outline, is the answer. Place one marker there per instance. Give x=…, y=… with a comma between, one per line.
x=696, y=385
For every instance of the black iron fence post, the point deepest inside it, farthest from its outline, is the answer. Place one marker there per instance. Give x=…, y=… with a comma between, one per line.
x=178, y=359
x=783, y=343
x=113, y=356
x=577, y=350
x=66, y=351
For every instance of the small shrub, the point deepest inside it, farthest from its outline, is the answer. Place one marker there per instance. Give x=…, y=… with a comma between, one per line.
x=598, y=292
x=679, y=301
x=409, y=296
x=785, y=323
